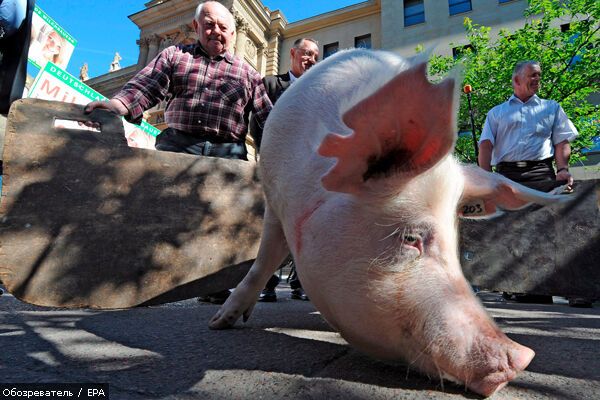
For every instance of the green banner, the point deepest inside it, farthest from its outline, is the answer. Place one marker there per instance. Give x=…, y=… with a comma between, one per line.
x=48, y=83
x=73, y=82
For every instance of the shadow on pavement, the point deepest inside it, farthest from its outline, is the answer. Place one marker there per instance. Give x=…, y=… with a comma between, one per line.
x=285, y=350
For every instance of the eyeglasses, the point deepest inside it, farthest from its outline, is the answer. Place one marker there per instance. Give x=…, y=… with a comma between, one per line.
x=308, y=53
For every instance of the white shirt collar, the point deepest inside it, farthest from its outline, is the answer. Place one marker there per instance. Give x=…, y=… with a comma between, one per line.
x=292, y=77
x=533, y=98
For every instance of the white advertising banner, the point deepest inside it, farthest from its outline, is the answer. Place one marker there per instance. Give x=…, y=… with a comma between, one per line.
x=49, y=41
x=54, y=83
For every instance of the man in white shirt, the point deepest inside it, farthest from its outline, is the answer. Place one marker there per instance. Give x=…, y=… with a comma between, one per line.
x=524, y=135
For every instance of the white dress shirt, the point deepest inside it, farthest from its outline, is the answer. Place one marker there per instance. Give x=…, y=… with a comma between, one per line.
x=521, y=131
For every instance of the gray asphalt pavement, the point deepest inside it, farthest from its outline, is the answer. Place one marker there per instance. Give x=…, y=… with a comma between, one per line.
x=285, y=351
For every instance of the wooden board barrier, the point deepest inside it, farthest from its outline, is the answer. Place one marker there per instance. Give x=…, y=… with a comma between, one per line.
x=86, y=221
x=551, y=250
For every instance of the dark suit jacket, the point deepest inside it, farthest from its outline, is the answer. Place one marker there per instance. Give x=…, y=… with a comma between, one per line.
x=275, y=85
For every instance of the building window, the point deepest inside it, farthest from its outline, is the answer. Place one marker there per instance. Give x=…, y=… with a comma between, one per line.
x=330, y=49
x=458, y=51
x=414, y=12
x=459, y=6
x=565, y=27
x=363, y=42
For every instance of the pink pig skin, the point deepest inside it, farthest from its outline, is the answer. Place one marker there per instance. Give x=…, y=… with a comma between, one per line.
x=361, y=187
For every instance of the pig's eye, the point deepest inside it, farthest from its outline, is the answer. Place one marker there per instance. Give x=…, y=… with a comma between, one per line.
x=410, y=239
x=413, y=241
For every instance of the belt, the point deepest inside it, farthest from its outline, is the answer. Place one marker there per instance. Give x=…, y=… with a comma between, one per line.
x=222, y=149
x=176, y=140
x=201, y=136
x=524, y=163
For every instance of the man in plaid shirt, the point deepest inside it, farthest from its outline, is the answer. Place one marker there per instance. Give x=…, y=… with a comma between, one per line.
x=210, y=92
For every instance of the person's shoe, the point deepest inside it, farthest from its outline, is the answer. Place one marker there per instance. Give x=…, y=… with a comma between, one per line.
x=298, y=294
x=267, y=296
x=507, y=295
x=580, y=302
x=215, y=298
x=533, y=298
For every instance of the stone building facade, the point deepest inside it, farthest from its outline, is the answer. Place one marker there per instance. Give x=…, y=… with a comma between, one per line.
x=264, y=37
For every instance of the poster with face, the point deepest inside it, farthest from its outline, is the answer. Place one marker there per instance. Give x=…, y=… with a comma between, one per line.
x=54, y=83
x=49, y=41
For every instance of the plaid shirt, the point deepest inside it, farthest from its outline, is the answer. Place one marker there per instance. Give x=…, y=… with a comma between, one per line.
x=207, y=98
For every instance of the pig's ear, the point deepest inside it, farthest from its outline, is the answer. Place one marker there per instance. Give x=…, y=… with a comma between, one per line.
x=485, y=194
x=402, y=130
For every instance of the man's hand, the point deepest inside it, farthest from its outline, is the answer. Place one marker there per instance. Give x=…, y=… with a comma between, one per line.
x=564, y=175
x=112, y=105
x=562, y=152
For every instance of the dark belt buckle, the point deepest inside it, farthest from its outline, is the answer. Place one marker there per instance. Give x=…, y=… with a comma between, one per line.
x=521, y=164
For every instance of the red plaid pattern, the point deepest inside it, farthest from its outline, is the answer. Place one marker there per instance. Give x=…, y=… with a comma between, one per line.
x=205, y=97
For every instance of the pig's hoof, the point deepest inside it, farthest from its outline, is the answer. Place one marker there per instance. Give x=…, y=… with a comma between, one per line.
x=230, y=312
x=222, y=321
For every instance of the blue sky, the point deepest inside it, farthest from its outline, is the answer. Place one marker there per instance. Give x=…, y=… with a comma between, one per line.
x=101, y=27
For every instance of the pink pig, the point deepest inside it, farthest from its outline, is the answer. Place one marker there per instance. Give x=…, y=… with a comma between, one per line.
x=362, y=188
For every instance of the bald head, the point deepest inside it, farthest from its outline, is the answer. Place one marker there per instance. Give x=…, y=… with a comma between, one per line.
x=215, y=27
x=213, y=4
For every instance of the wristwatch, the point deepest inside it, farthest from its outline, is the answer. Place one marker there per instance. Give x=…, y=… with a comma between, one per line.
x=562, y=169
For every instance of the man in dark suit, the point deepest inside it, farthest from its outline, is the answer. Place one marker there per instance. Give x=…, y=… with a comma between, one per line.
x=303, y=55
x=276, y=85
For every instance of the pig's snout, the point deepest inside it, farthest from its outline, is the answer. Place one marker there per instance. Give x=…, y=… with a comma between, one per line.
x=517, y=359
x=495, y=366
x=464, y=345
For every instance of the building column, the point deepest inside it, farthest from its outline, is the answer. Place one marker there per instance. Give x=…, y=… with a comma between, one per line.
x=261, y=61
x=143, y=57
x=241, y=37
x=273, y=54
x=154, y=42
x=185, y=32
x=167, y=41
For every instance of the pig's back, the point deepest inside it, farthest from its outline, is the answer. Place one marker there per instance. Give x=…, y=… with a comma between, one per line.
x=291, y=168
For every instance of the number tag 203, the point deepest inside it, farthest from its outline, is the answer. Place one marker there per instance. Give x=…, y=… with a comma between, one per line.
x=472, y=209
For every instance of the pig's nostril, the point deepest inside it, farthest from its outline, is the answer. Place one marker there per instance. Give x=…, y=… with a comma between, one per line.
x=500, y=386
x=488, y=387
x=518, y=358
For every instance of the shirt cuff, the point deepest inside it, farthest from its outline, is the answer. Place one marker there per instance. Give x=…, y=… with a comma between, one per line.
x=135, y=111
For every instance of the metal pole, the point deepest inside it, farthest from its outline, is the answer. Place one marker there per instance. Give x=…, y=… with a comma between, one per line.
x=468, y=89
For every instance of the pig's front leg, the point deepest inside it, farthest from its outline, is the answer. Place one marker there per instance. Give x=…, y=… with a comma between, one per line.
x=271, y=253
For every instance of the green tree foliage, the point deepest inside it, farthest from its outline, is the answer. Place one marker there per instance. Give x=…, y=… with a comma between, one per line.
x=569, y=58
